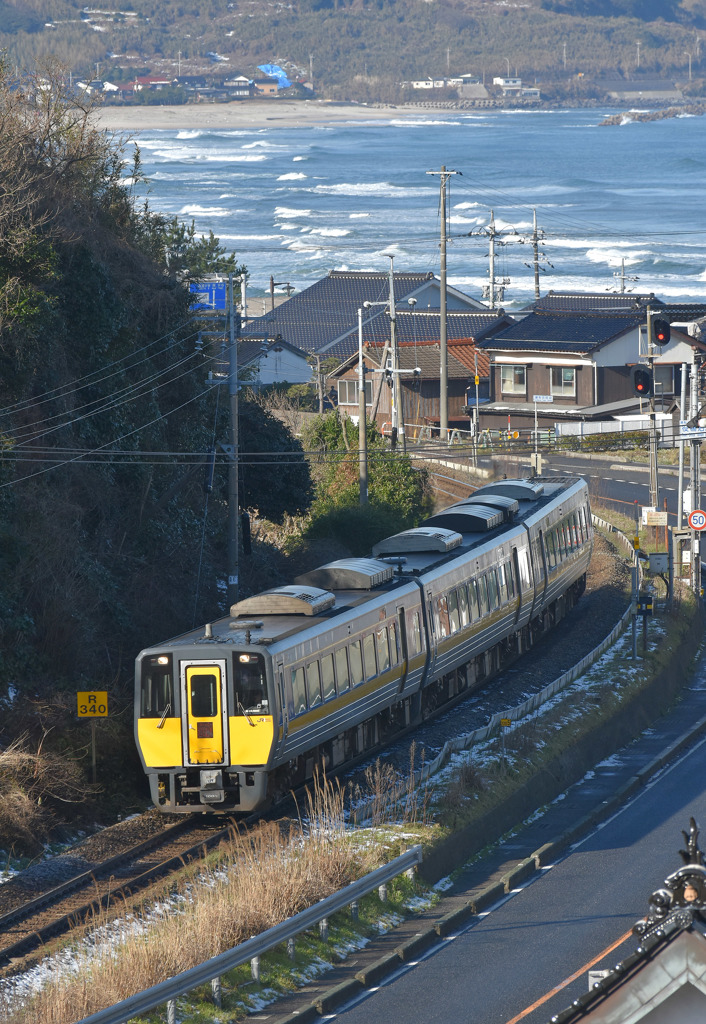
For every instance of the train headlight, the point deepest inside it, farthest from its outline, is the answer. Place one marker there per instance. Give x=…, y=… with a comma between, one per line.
x=163, y=660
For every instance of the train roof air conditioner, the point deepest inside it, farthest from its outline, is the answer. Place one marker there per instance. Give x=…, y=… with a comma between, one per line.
x=523, y=490
x=420, y=539
x=290, y=600
x=349, y=574
x=467, y=518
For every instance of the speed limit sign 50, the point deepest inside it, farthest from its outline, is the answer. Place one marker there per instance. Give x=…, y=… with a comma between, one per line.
x=697, y=519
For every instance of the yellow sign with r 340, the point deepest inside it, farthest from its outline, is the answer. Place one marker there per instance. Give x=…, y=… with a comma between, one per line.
x=92, y=704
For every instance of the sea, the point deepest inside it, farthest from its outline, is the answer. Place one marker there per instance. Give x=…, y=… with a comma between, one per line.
x=618, y=208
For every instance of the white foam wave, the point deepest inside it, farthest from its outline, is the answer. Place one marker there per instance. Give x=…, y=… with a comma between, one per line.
x=184, y=134
x=614, y=257
x=466, y=220
x=420, y=124
x=466, y=206
x=357, y=216
x=584, y=243
x=296, y=159
x=203, y=211
x=372, y=188
x=330, y=232
x=292, y=176
x=249, y=238
x=286, y=211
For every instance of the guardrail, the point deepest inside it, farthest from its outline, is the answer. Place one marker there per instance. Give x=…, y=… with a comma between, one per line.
x=213, y=969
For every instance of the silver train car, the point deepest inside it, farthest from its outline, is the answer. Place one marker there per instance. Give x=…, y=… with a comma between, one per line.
x=232, y=715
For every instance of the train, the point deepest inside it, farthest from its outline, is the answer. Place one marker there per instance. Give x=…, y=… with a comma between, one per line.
x=232, y=715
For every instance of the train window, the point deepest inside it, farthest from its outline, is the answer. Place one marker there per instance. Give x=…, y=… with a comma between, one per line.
x=454, y=621
x=524, y=569
x=342, y=676
x=327, y=677
x=356, y=661
x=442, y=609
x=298, y=690
x=394, y=649
x=502, y=586
x=204, y=694
x=313, y=683
x=415, y=635
x=463, y=612
x=383, y=646
x=550, y=544
x=369, y=656
x=510, y=580
x=475, y=600
x=492, y=589
x=250, y=683
x=156, y=690
x=483, y=595
x=574, y=530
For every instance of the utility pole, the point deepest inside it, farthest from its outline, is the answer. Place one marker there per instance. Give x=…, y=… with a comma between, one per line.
x=444, y=176
x=396, y=419
x=654, y=485
x=535, y=236
x=362, y=434
x=233, y=497
x=695, y=482
x=491, y=261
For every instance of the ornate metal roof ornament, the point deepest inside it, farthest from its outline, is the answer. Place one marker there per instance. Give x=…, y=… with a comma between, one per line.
x=684, y=893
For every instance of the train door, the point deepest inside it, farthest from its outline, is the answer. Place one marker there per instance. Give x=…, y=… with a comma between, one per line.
x=204, y=702
x=404, y=647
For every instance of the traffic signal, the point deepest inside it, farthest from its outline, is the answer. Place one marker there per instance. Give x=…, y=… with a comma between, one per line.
x=661, y=331
x=641, y=381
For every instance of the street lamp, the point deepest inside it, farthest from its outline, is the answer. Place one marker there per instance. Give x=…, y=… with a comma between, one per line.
x=507, y=61
x=686, y=52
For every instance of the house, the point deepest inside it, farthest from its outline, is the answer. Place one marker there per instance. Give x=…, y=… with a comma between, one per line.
x=646, y=88
x=264, y=87
x=578, y=352
x=272, y=362
x=419, y=350
x=509, y=86
x=239, y=87
x=664, y=980
x=322, y=320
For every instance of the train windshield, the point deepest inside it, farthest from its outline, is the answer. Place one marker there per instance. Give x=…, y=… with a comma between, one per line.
x=157, y=687
x=250, y=683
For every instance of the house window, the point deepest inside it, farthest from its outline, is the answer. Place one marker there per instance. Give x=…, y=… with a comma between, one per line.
x=513, y=380
x=664, y=381
x=348, y=392
x=564, y=381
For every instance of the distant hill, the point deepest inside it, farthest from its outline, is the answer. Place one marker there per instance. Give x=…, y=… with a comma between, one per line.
x=364, y=49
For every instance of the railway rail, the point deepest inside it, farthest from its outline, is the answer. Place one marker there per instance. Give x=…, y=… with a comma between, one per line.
x=32, y=914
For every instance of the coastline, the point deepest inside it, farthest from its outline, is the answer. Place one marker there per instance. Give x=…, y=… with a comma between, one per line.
x=250, y=114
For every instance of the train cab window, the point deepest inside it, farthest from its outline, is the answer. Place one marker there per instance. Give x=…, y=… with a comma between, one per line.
x=475, y=598
x=356, y=661
x=463, y=612
x=298, y=690
x=328, y=681
x=394, y=649
x=483, y=595
x=454, y=621
x=415, y=635
x=250, y=683
x=493, y=600
x=442, y=617
x=574, y=530
x=369, y=656
x=510, y=580
x=524, y=568
x=313, y=683
x=383, y=645
x=204, y=694
x=342, y=675
x=157, y=688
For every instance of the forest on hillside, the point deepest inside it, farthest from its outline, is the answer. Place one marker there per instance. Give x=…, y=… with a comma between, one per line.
x=363, y=49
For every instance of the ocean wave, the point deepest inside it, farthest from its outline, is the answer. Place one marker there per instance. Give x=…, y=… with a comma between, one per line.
x=467, y=206
x=615, y=257
x=192, y=134
x=292, y=176
x=286, y=211
x=203, y=211
x=372, y=188
x=296, y=159
x=330, y=232
x=357, y=216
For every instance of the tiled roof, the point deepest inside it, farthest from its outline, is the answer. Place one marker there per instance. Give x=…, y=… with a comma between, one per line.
x=564, y=332
x=324, y=317
x=590, y=301
x=426, y=356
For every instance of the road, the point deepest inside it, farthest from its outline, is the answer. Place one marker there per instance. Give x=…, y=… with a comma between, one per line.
x=499, y=970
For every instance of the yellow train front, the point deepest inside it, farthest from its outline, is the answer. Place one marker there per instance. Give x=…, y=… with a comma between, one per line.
x=204, y=722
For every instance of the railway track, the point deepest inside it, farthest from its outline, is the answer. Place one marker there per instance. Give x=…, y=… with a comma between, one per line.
x=32, y=917
x=76, y=901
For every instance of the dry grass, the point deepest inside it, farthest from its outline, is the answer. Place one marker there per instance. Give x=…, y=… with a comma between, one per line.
x=259, y=878
x=31, y=781
x=388, y=796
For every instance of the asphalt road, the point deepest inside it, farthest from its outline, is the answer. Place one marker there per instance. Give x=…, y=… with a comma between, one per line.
x=501, y=968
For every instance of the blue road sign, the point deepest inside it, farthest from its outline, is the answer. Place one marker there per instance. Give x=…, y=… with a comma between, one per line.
x=209, y=294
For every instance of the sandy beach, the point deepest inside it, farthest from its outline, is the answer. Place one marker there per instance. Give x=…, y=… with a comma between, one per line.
x=249, y=114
